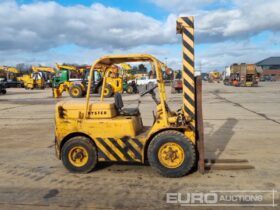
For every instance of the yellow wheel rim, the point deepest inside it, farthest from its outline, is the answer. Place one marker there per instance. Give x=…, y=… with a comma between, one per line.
x=171, y=155
x=78, y=156
x=75, y=92
x=106, y=91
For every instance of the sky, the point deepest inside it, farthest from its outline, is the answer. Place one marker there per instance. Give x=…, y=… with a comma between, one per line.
x=70, y=31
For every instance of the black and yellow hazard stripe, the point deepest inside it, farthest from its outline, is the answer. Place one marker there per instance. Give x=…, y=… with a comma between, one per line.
x=185, y=26
x=119, y=149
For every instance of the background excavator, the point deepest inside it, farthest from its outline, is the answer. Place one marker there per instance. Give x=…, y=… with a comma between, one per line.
x=39, y=78
x=74, y=80
x=69, y=78
x=46, y=72
x=129, y=84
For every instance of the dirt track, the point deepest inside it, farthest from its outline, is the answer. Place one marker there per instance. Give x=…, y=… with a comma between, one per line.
x=240, y=123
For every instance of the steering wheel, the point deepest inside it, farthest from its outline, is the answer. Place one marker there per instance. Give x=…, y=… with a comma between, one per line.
x=149, y=90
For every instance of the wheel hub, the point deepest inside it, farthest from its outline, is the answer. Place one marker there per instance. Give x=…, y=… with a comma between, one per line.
x=75, y=92
x=171, y=155
x=78, y=156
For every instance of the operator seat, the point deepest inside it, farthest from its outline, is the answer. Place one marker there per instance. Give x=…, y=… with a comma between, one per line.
x=124, y=111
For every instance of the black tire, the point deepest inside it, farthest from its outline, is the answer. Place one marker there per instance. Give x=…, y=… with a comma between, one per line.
x=3, y=92
x=130, y=89
x=108, y=91
x=171, y=136
x=85, y=143
x=76, y=91
x=84, y=93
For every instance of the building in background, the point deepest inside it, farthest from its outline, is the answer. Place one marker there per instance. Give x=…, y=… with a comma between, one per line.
x=271, y=68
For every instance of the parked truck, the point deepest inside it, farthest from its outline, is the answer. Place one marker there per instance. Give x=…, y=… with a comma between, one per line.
x=244, y=75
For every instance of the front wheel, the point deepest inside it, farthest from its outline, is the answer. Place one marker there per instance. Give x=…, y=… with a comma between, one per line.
x=79, y=155
x=171, y=154
x=76, y=91
x=108, y=91
x=3, y=92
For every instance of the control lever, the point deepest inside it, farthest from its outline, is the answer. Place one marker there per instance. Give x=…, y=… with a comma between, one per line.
x=154, y=116
x=154, y=97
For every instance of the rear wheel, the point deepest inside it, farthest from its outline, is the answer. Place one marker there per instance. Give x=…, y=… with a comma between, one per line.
x=3, y=92
x=76, y=91
x=108, y=91
x=79, y=155
x=171, y=154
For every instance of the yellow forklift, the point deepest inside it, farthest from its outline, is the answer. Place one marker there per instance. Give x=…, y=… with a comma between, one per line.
x=90, y=132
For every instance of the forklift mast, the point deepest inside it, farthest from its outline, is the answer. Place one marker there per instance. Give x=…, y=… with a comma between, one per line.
x=185, y=26
x=192, y=86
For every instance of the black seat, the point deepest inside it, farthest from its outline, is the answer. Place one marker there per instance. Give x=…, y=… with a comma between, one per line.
x=124, y=111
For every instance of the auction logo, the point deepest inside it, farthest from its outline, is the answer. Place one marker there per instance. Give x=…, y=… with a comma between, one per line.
x=224, y=198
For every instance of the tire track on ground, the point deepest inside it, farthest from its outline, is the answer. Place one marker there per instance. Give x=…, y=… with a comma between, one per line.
x=215, y=93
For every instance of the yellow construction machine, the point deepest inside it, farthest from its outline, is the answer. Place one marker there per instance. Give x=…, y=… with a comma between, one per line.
x=90, y=132
x=126, y=72
x=32, y=81
x=69, y=79
x=214, y=76
x=9, y=69
x=40, y=77
x=77, y=87
x=45, y=72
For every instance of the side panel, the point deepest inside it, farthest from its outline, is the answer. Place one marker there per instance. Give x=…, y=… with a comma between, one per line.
x=117, y=142
x=119, y=149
